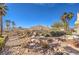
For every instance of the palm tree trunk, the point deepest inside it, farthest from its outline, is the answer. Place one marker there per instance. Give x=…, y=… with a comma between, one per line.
x=1, y=25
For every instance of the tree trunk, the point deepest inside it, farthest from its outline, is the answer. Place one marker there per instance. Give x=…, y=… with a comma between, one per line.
x=13, y=27
x=7, y=28
x=1, y=25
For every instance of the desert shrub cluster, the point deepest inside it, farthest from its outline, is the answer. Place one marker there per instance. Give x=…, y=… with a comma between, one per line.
x=1, y=42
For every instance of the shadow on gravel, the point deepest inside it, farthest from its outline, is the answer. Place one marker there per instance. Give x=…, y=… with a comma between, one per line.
x=71, y=50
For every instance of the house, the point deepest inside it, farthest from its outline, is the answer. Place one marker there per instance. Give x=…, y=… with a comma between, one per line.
x=77, y=24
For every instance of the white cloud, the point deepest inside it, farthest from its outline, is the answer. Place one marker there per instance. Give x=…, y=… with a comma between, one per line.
x=46, y=4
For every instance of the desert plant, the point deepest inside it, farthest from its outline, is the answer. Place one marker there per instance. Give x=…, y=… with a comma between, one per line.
x=47, y=35
x=3, y=9
x=69, y=33
x=8, y=25
x=1, y=42
x=13, y=24
x=66, y=19
x=57, y=33
x=57, y=26
x=45, y=46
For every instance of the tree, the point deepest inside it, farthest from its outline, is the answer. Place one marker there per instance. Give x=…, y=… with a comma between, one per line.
x=8, y=24
x=3, y=9
x=66, y=19
x=13, y=24
x=20, y=27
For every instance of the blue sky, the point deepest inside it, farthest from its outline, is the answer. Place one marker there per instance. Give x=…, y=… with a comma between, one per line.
x=27, y=15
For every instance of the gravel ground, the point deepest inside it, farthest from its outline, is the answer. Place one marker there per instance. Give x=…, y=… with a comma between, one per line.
x=13, y=47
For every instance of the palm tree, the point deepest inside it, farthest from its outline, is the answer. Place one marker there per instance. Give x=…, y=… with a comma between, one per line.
x=13, y=24
x=8, y=24
x=66, y=19
x=3, y=9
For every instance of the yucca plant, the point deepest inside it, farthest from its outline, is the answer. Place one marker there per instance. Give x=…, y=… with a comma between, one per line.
x=66, y=19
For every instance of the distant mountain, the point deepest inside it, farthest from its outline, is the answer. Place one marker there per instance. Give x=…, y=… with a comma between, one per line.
x=40, y=27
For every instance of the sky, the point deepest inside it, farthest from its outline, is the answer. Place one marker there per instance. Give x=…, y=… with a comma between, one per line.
x=32, y=14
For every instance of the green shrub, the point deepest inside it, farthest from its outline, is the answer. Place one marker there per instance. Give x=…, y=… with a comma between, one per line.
x=69, y=33
x=1, y=36
x=47, y=35
x=57, y=33
x=1, y=42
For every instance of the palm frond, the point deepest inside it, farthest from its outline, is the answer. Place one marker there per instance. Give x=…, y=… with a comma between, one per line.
x=3, y=9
